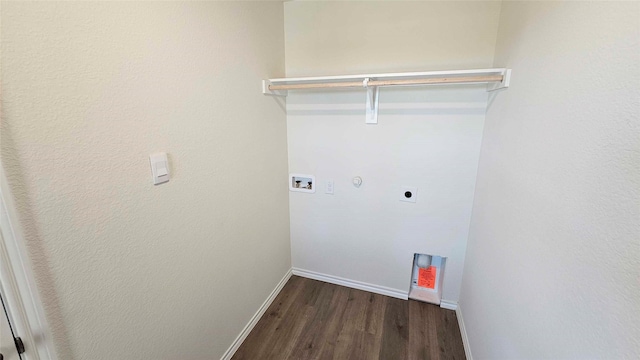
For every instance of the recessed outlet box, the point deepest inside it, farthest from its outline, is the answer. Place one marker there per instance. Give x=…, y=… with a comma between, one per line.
x=408, y=194
x=302, y=183
x=427, y=278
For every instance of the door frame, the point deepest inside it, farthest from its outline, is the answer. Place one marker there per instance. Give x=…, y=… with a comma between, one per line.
x=18, y=285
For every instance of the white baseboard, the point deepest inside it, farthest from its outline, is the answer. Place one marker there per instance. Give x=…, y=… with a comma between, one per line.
x=382, y=290
x=256, y=317
x=463, y=333
x=450, y=305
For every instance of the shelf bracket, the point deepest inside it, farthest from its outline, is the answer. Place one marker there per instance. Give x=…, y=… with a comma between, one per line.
x=269, y=92
x=372, y=102
x=504, y=84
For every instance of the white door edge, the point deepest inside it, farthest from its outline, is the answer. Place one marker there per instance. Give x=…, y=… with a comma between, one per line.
x=18, y=285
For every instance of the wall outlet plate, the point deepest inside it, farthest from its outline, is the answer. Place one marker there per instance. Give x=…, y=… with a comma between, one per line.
x=328, y=188
x=408, y=194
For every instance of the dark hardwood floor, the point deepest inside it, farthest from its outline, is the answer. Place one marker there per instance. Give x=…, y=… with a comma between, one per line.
x=315, y=320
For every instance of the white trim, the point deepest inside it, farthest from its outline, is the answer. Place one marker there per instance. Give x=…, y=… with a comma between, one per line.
x=19, y=285
x=498, y=71
x=382, y=290
x=256, y=317
x=388, y=106
x=450, y=305
x=11, y=297
x=463, y=333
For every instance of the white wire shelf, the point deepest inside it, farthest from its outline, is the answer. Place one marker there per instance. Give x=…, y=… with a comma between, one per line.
x=496, y=79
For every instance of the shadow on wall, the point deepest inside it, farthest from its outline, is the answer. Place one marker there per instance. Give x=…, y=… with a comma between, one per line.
x=432, y=100
x=33, y=241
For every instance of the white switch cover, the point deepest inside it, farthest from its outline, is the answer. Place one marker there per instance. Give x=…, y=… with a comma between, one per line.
x=159, y=168
x=329, y=187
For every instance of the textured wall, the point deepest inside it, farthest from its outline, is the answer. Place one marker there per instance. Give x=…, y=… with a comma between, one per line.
x=426, y=137
x=129, y=270
x=355, y=37
x=552, y=265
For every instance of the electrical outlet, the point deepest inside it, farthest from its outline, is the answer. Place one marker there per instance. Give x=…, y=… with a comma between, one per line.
x=329, y=187
x=408, y=194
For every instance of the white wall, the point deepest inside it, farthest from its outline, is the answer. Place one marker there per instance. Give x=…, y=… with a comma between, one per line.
x=552, y=265
x=428, y=138
x=129, y=270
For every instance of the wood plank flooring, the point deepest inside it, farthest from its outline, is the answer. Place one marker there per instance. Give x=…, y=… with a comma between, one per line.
x=315, y=320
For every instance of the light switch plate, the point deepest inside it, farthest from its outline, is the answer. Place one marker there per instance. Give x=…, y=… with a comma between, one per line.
x=159, y=168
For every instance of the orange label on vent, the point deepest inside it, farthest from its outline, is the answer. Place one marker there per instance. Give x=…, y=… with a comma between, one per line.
x=427, y=277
